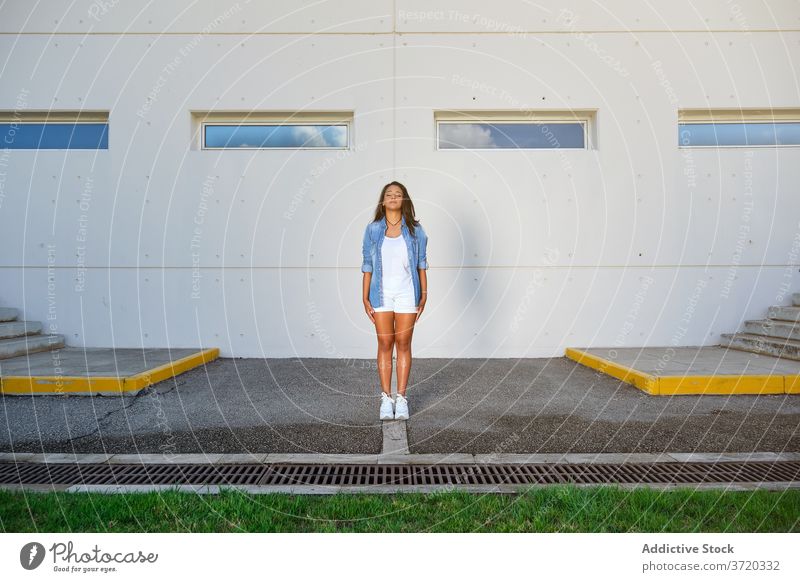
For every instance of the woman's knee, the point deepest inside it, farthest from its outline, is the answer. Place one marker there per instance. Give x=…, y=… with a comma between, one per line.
x=386, y=343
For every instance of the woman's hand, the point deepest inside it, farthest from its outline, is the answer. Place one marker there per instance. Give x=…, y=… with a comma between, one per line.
x=421, y=307
x=370, y=311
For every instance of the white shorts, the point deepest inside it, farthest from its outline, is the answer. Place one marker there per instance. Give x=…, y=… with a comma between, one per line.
x=398, y=301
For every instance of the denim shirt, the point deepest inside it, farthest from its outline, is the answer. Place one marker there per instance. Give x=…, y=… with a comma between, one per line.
x=371, y=253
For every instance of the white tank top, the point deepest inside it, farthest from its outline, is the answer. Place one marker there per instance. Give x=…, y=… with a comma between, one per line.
x=396, y=269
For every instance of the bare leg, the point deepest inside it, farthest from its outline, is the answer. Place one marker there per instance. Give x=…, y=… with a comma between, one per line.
x=384, y=327
x=404, y=329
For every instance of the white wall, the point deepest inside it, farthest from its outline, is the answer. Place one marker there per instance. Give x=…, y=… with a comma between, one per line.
x=633, y=243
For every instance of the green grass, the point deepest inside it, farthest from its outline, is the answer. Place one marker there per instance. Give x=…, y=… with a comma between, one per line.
x=546, y=509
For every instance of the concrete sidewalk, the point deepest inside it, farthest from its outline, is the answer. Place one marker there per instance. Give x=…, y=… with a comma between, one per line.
x=96, y=371
x=496, y=406
x=671, y=371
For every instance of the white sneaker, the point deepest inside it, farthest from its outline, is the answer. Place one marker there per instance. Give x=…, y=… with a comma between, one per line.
x=401, y=408
x=386, y=407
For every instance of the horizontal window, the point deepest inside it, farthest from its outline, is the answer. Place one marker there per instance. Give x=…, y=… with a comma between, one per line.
x=510, y=135
x=275, y=136
x=739, y=127
x=483, y=130
x=56, y=130
x=739, y=134
x=55, y=136
x=271, y=129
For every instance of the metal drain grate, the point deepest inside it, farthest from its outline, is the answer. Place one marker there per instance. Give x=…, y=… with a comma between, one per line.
x=367, y=475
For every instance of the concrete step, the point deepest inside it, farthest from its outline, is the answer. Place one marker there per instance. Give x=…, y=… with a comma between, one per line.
x=759, y=344
x=19, y=346
x=796, y=299
x=784, y=313
x=8, y=314
x=9, y=329
x=773, y=328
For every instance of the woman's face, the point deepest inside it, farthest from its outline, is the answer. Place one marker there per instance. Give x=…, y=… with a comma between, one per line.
x=393, y=198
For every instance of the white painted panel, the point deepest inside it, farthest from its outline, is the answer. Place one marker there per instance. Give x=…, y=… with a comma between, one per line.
x=148, y=187
x=478, y=16
x=630, y=202
x=196, y=16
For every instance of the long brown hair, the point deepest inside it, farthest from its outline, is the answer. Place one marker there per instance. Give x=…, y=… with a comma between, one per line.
x=407, y=209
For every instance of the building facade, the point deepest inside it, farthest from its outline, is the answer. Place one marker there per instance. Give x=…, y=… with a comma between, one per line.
x=558, y=157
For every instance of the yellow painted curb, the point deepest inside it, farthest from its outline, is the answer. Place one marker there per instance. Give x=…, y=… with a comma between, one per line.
x=721, y=384
x=104, y=384
x=644, y=382
x=170, y=369
x=59, y=384
x=700, y=384
x=792, y=385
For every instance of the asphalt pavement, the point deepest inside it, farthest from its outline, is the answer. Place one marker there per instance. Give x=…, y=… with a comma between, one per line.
x=318, y=405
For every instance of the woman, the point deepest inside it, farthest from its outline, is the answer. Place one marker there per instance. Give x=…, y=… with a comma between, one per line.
x=395, y=288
